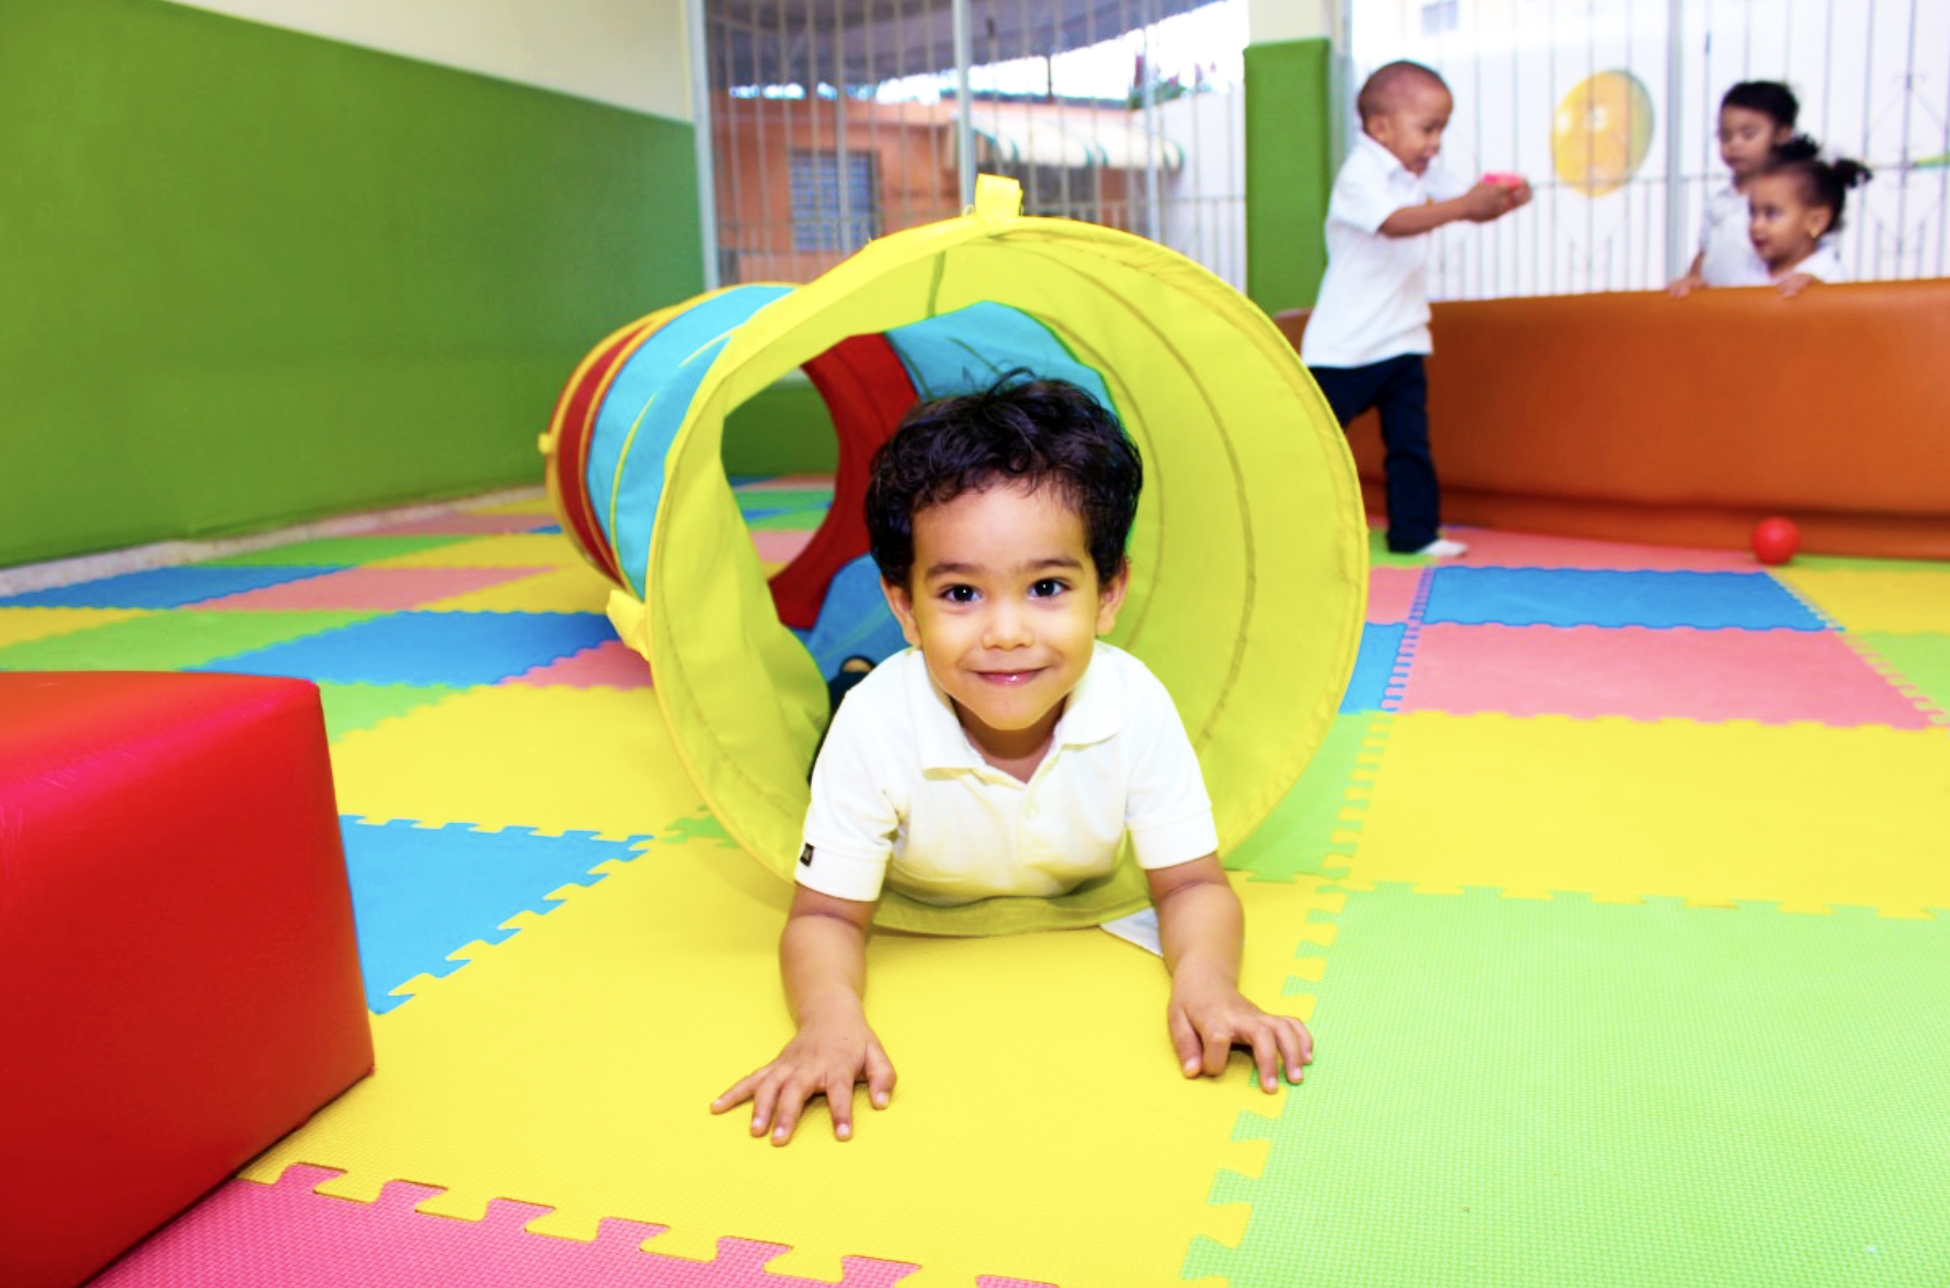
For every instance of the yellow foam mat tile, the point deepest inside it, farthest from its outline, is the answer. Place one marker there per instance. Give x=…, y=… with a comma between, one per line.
x=18, y=625
x=508, y=550
x=580, y=589
x=1807, y=816
x=1040, y=1128
x=554, y=759
x=1897, y=601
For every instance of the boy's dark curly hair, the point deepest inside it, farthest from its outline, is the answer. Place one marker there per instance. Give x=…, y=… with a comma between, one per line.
x=1020, y=431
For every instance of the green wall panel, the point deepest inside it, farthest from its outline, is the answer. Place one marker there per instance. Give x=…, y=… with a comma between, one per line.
x=783, y=430
x=253, y=276
x=1289, y=170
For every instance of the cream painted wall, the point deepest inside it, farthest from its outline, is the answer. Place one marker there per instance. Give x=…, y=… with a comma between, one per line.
x=631, y=53
x=1269, y=21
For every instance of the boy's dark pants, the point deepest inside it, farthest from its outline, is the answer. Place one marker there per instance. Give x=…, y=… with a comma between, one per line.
x=1399, y=389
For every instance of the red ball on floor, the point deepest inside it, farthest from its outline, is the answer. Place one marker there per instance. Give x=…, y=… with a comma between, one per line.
x=1775, y=540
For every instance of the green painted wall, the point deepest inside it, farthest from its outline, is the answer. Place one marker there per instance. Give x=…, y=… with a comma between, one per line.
x=783, y=430
x=1289, y=170
x=253, y=277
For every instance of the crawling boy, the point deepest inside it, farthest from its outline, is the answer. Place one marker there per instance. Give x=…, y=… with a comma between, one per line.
x=1008, y=752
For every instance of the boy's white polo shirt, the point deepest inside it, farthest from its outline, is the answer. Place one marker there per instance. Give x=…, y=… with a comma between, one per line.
x=1374, y=300
x=901, y=796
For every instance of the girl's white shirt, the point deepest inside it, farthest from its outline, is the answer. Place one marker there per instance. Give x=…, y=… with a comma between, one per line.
x=1824, y=265
x=1727, y=254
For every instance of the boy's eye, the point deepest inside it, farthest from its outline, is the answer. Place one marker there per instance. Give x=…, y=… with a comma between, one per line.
x=1046, y=588
x=959, y=594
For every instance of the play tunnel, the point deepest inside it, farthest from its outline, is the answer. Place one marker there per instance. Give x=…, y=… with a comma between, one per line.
x=1248, y=558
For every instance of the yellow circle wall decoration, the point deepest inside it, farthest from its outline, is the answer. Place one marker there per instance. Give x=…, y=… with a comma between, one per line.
x=1602, y=132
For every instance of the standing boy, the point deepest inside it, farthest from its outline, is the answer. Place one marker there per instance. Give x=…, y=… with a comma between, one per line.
x=1009, y=753
x=1370, y=329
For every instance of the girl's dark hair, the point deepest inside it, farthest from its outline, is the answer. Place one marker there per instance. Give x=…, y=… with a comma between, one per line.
x=1778, y=104
x=1821, y=183
x=1020, y=431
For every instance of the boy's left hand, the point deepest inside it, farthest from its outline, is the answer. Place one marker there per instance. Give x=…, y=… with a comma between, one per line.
x=1209, y=1018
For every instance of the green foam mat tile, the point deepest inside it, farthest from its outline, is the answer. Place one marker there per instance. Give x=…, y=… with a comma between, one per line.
x=805, y=520
x=1380, y=555
x=1559, y=1092
x=347, y=552
x=1857, y=563
x=351, y=707
x=1919, y=662
x=1308, y=831
x=759, y=499
x=168, y=641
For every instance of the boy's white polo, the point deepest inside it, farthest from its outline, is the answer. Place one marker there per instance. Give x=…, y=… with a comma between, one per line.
x=901, y=796
x=1374, y=299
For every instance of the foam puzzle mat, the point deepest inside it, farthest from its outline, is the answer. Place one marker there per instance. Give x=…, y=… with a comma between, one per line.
x=1618, y=900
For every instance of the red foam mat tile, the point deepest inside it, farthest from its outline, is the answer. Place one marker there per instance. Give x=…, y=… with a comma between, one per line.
x=1490, y=548
x=1708, y=676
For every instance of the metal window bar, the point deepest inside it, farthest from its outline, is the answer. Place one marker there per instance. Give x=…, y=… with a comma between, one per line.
x=1873, y=77
x=893, y=93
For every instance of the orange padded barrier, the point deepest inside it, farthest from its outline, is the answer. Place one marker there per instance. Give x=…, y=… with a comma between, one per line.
x=1641, y=418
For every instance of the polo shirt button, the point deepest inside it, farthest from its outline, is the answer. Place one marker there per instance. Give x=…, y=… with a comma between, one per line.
x=1029, y=811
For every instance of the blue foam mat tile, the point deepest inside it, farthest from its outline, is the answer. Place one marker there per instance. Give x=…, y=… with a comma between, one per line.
x=1587, y=597
x=162, y=587
x=423, y=648
x=1373, y=668
x=419, y=893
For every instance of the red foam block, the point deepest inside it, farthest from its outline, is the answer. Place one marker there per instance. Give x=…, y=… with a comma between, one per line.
x=181, y=976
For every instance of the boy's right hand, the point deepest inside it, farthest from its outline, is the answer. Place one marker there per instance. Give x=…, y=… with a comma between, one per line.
x=1684, y=286
x=1487, y=201
x=828, y=1057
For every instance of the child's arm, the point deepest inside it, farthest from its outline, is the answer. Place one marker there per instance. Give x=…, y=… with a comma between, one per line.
x=1795, y=283
x=1482, y=203
x=1686, y=285
x=1201, y=925
x=823, y=957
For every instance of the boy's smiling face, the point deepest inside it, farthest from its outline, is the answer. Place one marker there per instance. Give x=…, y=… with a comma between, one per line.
x=1005, y=606
x=1411, y=127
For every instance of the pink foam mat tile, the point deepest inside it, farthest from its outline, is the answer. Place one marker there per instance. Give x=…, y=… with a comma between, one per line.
x=1492, y=548
x=609, y=665
x=461, y=523
x=779, y=545
x=246, y=1235
x=385, y=590
x=1391, y=594
x=1642, y=673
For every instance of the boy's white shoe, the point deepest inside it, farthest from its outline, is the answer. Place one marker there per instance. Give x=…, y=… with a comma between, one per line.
x=1443, y=548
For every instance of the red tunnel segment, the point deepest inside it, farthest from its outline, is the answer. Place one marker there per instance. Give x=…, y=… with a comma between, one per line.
x=573, y=424
x=867, y=390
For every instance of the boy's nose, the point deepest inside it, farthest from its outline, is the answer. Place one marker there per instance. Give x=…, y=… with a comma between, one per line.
x=1006, y=627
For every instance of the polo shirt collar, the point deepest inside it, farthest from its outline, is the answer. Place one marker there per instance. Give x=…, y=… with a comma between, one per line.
x=1391, y=165
x=1096, y=711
